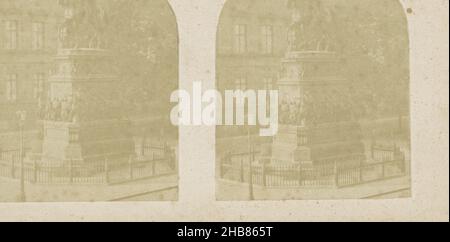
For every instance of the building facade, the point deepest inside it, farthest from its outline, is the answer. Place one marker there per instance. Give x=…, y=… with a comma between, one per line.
x=28, y=44
x=251, y=41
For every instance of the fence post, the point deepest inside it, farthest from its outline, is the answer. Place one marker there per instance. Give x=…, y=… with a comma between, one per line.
x=143, y=147
x=250, y=181
x=154, y=167
x=300, y=175
x=172, y=160
x=106, y=170
x=372, y=151
x=372, y=145
x=130, y=164
x=13, y=175
x=50, y=170
x=336, y=174
x=71, y=171
x=361, y=167
x=35, y=177
x=403, y=164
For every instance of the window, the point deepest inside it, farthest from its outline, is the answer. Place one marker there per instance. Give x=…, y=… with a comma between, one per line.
x=241, y=83
x=292, y=38
x=11, y=87
x=62, y=34
x=240, y=39
x=38, y=36
x=266, y=39
x=39, y=80
x=11, y=35
x=268, y=83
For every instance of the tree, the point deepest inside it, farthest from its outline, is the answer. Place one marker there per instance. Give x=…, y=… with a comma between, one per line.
x=144, y=37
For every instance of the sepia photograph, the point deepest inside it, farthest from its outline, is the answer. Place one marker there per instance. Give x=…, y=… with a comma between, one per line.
x=253, y=114
x=341, y=71
x=84, y=114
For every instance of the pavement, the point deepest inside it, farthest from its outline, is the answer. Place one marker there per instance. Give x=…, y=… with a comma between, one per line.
x=234, y=191
x=9, y=190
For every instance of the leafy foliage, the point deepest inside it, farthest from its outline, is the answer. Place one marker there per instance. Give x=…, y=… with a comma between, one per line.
x=372, y=36
x=143, y=36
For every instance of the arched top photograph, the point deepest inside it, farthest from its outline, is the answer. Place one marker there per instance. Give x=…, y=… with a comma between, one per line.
x=341, y=72
x=84, y=100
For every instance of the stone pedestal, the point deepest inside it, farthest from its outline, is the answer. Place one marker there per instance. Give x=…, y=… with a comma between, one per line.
x=83, y=119
x=316, y=122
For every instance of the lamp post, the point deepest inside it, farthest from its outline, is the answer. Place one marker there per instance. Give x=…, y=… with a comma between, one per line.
x=22, y=117
x=251, y=153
